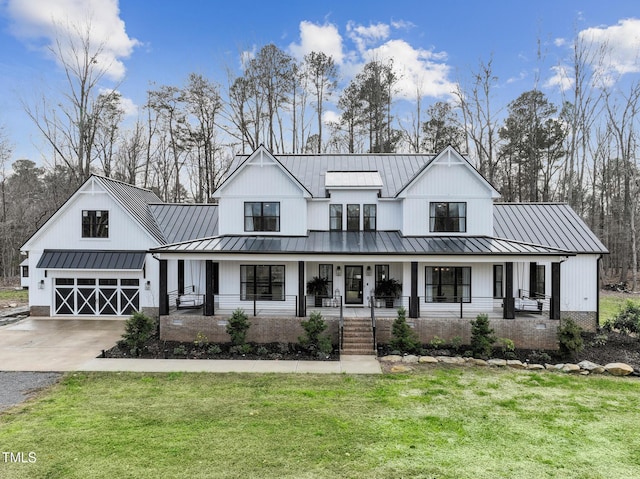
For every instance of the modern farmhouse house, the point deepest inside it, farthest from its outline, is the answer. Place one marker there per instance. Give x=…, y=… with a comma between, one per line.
x=352, y=236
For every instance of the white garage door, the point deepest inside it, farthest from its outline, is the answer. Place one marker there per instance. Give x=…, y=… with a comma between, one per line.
x=96, y=296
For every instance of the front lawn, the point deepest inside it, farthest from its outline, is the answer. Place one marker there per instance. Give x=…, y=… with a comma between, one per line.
x=438, y=423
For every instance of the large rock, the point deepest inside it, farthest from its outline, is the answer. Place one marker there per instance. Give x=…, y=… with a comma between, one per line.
x=477, y=362
x=450, y=359
x=392, y=358
x=535, y=367
x=497, y=362
x=515, y=364
x=593, y=368
x=399, y=368
x=410, y=358
x=571, y=368
x=427, y=360
x=618, y=369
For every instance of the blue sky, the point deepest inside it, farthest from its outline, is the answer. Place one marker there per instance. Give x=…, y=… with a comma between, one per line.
x=436, y=43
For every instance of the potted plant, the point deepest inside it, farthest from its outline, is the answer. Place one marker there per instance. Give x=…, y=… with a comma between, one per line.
x=318, y=287
x=389, y=290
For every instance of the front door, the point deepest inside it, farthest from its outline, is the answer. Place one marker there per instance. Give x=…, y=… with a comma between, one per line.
x=353, y=284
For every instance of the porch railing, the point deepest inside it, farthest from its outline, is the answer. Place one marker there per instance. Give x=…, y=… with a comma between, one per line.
x=226, y=304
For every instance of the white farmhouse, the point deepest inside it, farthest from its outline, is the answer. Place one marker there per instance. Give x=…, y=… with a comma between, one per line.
x=375, y=232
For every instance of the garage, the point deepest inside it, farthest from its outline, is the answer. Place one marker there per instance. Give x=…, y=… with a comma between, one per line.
x=94, y=283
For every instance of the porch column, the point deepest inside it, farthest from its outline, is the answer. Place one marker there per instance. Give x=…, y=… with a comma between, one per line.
x=413, y=299
x=208, y=298
x=163, y=300
x=533, y=279
x=508, y=308
x=554, y=312
x=301, y=290
x=181, y=276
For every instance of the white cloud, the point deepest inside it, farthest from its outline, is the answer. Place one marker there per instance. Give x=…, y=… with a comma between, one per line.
x=417, y=69
x=318, y=38
x=365, y=37
x=620, y=44
x=561, y=78
x=560, y=42
x=329, y=117
x=36, y=21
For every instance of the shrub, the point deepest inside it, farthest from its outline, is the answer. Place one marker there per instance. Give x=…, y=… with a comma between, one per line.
x=180, y=351
x=137, y=331
x=506, y=345
x=482, y=337
x=570, y=337
x=201, y=340
x=627, y=320
x=436, y=342
x=404, y=338
x=237, y=327
x=214, y=350
x=314, y=340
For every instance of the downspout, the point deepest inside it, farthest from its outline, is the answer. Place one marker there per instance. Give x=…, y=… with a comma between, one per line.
x=598, y=263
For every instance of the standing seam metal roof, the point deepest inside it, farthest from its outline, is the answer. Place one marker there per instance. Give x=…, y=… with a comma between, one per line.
x=183, y=222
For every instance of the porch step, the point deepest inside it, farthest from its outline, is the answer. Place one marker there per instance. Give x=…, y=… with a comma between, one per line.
x=357, y=337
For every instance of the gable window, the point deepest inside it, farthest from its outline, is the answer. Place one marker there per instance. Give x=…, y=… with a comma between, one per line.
x=335, y=217
x=262, y=216
x=95, y=224
x=498, y=281
x=262, y=282
x=447, y=217
x=353, y=217
x=448, y=284
x=369, y=217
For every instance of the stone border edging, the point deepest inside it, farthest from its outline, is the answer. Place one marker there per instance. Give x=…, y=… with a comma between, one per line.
x=583, y=367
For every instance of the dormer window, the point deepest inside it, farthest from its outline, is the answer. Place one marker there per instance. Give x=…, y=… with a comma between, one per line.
x=447, y=217
x=335, y=217
x=369, y=217
x=95, y=224
x=262, y=216
x=353, y=217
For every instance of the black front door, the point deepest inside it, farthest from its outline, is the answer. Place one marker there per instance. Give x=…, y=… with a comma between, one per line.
x=353, y=284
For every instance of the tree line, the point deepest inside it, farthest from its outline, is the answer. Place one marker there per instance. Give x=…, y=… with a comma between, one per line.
x=581, y=151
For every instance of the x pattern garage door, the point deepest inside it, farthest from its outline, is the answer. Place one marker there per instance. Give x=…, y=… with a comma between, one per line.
x=96, y=297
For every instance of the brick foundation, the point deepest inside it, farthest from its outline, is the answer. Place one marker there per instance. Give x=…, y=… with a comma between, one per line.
x=587, y=320
x=40, y=311
x=262, y=330
x=525, y=333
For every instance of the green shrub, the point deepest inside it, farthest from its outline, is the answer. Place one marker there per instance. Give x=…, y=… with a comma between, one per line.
x=237, y=327
x=506, y=345
x=482, y=337
x=627, y=320
x=214, y=350
x=180, y=351
x=314, y=340
x=138, y=329
x=437, y=342
x=201, y=340
x=570, y=337
x=404, y=338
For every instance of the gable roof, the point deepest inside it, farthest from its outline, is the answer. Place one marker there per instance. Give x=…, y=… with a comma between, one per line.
x=551, y=224
x=183, y=222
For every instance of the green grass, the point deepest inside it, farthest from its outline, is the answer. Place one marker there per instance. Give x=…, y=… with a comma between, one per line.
x=442, y=423
x=18, y=295
x=610, y=305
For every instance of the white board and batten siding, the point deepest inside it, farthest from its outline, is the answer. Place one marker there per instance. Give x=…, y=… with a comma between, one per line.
x=579, y=283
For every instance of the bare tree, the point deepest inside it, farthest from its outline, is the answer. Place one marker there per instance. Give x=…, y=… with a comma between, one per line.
x=323, y=74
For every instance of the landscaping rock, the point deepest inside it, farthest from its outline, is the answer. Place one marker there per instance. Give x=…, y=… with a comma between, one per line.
x=399, y=368
x=571, y=368
x=392, y=358
x=618, y=369
x=478, y=362
x=450, y=359
x=427, y=360
x=515, y=364
x=410, y=358
x=497, y=362
x=593, y=368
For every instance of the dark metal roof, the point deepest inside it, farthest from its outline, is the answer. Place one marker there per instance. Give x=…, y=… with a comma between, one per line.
x=396, y=170
x=370, y=242
x=184, y=222
x=136, y=201
x=552, y=224
x=74, y=259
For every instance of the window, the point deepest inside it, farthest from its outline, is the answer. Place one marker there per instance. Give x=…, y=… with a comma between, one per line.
x=369, y=218
x=498, y=281
x=25, y=271
x=262, y=282
x=262, y=216
x=540, y=284
x=353, y=217
x=326, y=271
x=448, y=284
x=95, y=224
x=335, y=217
x=382, y=273
x=448, y=217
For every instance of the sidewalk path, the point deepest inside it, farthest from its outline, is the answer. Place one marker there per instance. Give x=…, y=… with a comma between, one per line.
x=347, y=364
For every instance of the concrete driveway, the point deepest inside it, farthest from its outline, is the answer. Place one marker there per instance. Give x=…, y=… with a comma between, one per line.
x=46, y=344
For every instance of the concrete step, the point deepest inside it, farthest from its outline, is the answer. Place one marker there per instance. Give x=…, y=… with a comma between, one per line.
x=356, y=352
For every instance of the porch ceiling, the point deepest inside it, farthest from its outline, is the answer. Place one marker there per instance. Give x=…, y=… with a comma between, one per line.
x=362, y=243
